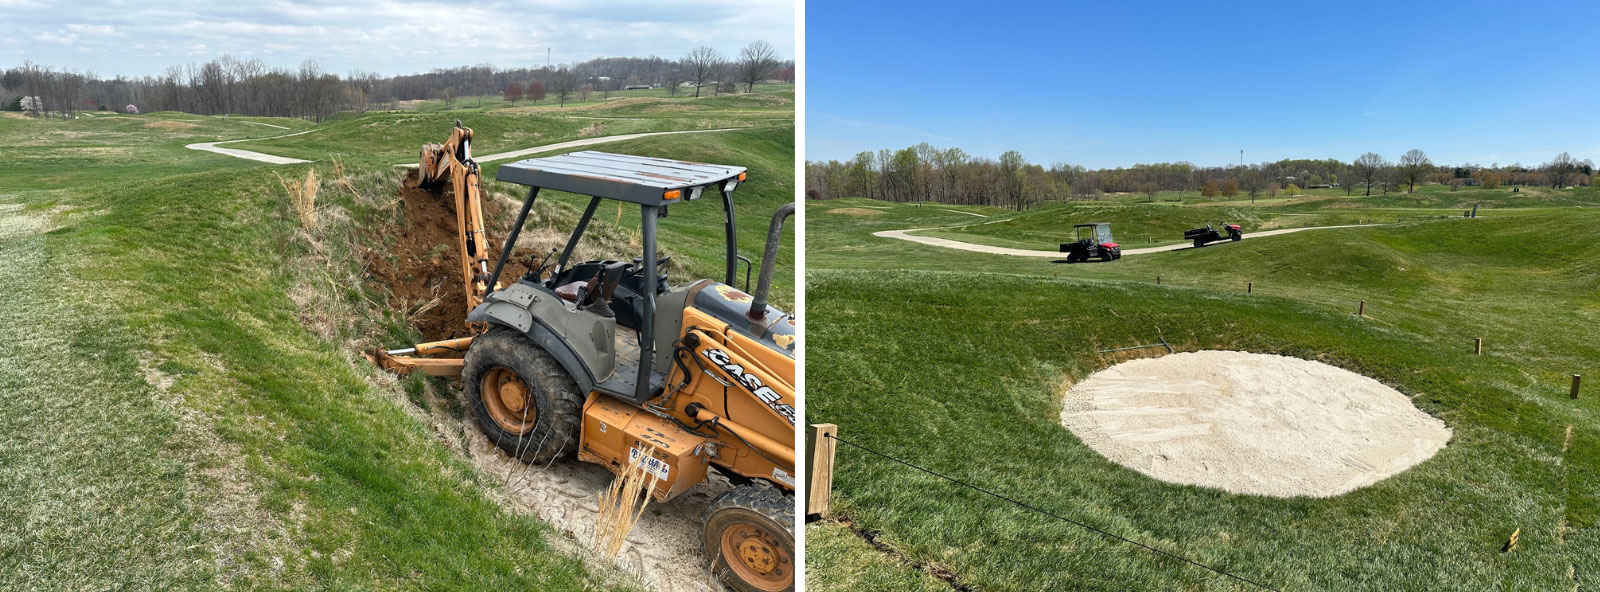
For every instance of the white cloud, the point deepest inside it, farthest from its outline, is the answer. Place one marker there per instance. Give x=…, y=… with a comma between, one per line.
x=56, y=36
x=381, y=35
x=102, y=30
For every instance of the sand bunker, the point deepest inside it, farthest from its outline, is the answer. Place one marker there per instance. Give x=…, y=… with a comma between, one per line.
x=1251, y=423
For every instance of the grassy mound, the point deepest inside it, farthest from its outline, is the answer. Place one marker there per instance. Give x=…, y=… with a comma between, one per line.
x=957, y=361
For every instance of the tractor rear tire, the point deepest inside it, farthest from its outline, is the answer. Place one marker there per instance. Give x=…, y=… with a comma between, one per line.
x=1236, y=237
x=523, y=399
x=1199, y=243
x=754, y=525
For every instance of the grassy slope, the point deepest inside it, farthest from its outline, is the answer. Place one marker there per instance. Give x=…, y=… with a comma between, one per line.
x=394, y=137
x=1137, y=224
x=176, y=425
x=997, y=338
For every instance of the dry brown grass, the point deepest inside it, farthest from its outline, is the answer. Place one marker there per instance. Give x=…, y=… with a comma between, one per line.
x=623, y=503
x=855, y=212
x=304, y=197
x=168, y=125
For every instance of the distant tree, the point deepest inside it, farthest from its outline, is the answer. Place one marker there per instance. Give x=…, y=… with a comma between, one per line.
x=784, y=74
x=513, y=92
x=1562, y=171
x=535, y=91
x=1150, y=190
x=1253, y=182
x=1456, y=183
x=1230, y=188
x=703, y=64
x=131, y=110
x=583, y=92
x=1210, y=188
x=33, y=105
x=1367, y=168
x=1413, y=166
x=15, y=104
x=1291, y=190
x=449, y=96
x=1272, y=190
x=563, y=82
x=756, y=61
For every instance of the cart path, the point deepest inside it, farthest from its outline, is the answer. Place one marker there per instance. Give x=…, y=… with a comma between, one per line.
x=268, y=158
x=954, y=244
x=247, y=154
x=586, y=142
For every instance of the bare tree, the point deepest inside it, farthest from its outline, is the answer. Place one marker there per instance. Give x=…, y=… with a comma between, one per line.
x=1562, y=171
x=449, y=96
x=1413, y=168
x=702, y=64
x=563, y=82
x=1367, y=168
x=756, y=61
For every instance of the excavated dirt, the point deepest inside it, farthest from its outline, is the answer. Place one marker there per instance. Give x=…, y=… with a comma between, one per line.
x=1251, y=423
x=422, y=266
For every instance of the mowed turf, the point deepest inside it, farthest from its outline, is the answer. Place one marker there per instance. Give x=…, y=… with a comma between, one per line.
x=957, y=361
x=179, y=417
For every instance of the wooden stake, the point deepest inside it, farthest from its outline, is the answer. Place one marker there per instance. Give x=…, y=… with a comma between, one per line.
x=1362, y=312
x=1158, y=280
x=1576, y=379
x=1477, y=346
x=1249, y=287
x=819, y=467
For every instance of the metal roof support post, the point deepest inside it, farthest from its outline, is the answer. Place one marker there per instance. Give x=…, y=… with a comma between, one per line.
x=733, y=237
x=511, y=239
x=577, y=233
x=647, y=325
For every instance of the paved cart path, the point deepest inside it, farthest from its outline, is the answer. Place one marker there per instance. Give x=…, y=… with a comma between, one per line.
x=268, y=158
x=954, y=244
x=247, y=154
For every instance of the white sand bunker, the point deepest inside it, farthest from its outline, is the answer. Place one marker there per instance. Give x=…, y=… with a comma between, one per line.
x=1251, y=423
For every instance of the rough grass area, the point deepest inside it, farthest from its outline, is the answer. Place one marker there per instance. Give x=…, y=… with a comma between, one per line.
x=183, y=399
x=957, y=361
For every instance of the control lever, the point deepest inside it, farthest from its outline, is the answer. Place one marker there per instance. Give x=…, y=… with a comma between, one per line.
x=611, y=275
x=587, y=295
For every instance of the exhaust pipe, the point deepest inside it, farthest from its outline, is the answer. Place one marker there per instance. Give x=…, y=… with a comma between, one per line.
x=769, y=257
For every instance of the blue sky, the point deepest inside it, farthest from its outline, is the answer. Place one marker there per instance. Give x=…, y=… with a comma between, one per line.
x=139, y=37
x=1110, y=84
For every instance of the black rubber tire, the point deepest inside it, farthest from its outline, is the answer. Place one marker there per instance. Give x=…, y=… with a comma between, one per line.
x=555, y=395
x=1236, y=237
x=761, y=504
x=1199, y=243
x=1105, y=255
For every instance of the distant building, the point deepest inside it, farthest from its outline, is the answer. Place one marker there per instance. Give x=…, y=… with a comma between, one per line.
x=636, y=87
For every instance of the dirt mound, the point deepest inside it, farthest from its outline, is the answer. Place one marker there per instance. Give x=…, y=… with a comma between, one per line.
x=421, y=269
x=855, y=212
x=1251, y=423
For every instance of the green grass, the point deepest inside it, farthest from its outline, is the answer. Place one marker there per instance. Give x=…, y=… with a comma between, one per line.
x=182, y=411
x=957, y=361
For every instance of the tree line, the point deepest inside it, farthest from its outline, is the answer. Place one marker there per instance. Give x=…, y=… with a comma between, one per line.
x=229, y=84
x=927, y=173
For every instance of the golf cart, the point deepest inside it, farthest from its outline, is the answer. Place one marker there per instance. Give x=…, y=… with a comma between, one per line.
x=1201, y=236
x=1094, y=241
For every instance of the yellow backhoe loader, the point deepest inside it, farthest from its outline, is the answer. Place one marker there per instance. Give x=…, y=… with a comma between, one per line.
x=608, y=360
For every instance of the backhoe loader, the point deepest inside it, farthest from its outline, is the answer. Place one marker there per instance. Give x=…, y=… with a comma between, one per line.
x=609, y=360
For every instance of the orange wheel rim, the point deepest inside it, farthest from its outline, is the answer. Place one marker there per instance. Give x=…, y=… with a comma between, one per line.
x=509, y=401
x=757, y=557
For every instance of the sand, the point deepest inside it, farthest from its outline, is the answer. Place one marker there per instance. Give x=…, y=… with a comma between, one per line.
x=1251, y=423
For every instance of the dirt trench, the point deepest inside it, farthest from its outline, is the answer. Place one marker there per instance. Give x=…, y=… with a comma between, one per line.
x=421, y=268
x=421, y=271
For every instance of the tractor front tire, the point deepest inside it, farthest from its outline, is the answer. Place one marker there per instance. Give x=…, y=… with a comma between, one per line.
x=523, y=399
x=749, y=538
